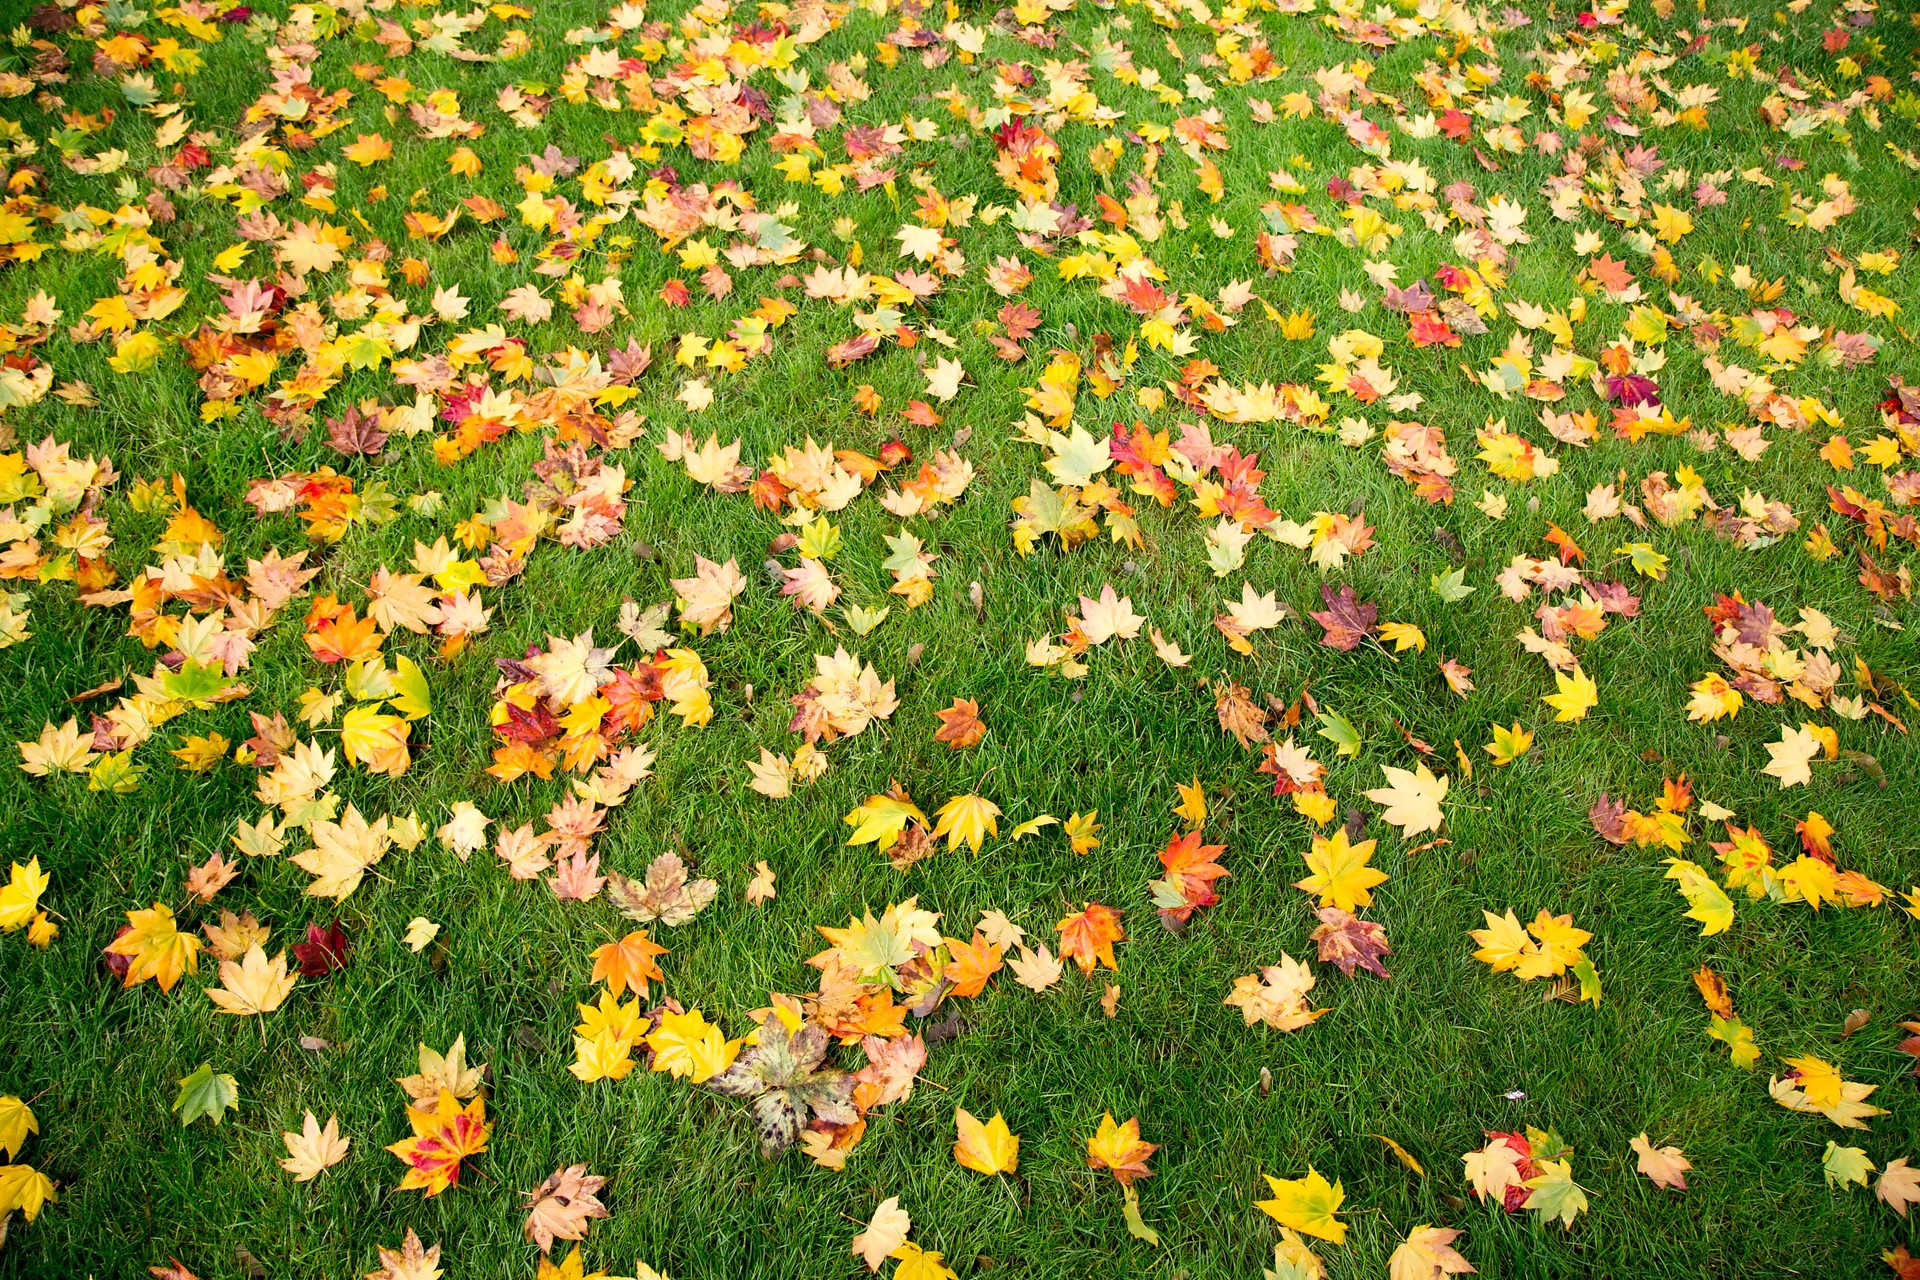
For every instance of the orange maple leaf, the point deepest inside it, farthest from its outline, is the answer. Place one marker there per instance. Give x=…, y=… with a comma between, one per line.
x=628, y=963
x=1090, y=936
x=1191, y=872
x=972, y=964
x=960, y=725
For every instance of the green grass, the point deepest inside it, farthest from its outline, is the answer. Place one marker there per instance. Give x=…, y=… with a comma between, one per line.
x=1431, y=1058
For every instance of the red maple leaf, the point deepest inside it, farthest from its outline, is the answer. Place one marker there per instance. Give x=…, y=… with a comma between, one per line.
x=324, y=950
x=1346, y=619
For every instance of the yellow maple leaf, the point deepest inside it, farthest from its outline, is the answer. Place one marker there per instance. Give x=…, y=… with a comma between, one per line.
x=254, y=984
x=1341, y=875
x=985, y=1148
x=966, y=819
x=1307, y=1205
x=1577, y=695
x=370, y=148
x=156, y=948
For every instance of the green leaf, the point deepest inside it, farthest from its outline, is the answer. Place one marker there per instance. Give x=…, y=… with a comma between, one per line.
x=1555, y=1194
x=194, y=682
x=1452, y=587
x=1647, y=562
x=1339, y=730
x=414, y=700
x=1078, y=457
x=379, y=505
x=1589, y=980
x=206, y=1093
x=116, y=772
x=1136, y=1225
x=1166, y=895
x=368, y=680
x=1845, y=1165
x=1738, y=1037
x=820, y=539
x=863, y=619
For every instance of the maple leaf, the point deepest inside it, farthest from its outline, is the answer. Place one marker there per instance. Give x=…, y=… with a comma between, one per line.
x=960, y=725
x=1188, y=884
x=1412, y=799
x=1088, y=937
x=1118, y=1149
x=1167, y=651
x=205, y=880
x=628, y=963
x=1035, y=970
x=20, y=896
x=706, y=598
x=1342, y=876
x=1427, y=1254
x=1789, y=758
x=572, y=671
x=760, y=888
x=1554, y=1194
x=155, y=948
x=966, y=819
x=1000, y=931
x=411, y=1261
x=420, y=932
x=206, y=1092
x=1508, y=745
x=1306, y=1205
x=1109, y=616
x=324, y=950
x=988, y=1148
x=885, y=1232
x=1576, y=695
x=1815, y=1085
x=973, y=963
x=1707, y=902
x=560, y=1207
x=883, y=819
x=443, y=1073
x=58, y=750
x=666, y=895
x=1713, y=991
x=369, y=148
x=1899, y=1185
x=1845, y=1165
x=783, y=1077
x=1350, y=942
x=342, y=853
x=1665, y=1166
x=254, y=985
x=442, y=1139
x=1277, y=996
x=687, y=1045
x=16, y=1122
x=1346, y=621
x=314, y=1149
x=356, y=435
x=1238, y=714
x=921, y=1264
x=1738, y=1037
x=24, y=1188
x=892, y=1066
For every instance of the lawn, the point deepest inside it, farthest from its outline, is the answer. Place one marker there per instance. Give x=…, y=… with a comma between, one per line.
x=1551, y=357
